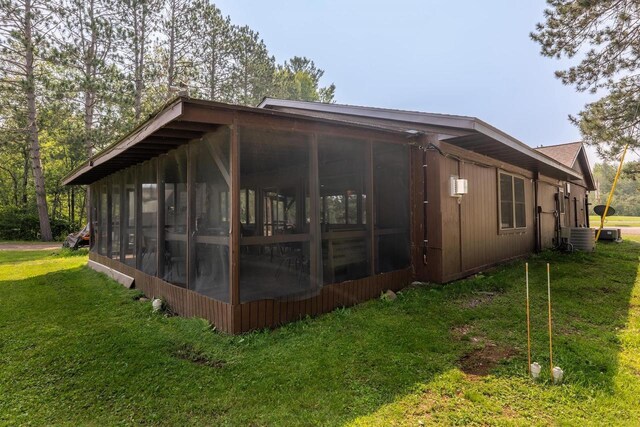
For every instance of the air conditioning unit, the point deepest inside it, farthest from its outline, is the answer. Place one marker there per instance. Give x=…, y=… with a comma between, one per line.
x=578, y=238
x=610, y=234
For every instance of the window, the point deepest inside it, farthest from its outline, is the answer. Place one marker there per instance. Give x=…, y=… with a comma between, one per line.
x=512, y=202
x=247, y=206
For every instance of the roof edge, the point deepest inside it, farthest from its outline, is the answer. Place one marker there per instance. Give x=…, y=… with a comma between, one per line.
x=172, y=109
x=462, y=122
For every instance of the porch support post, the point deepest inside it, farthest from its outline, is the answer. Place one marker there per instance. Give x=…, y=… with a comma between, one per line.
x=161, y=219
x=234, y=218
x=109, y=217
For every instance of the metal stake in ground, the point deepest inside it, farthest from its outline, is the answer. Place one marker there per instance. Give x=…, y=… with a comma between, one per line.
x=526, y=270
x=550, y=335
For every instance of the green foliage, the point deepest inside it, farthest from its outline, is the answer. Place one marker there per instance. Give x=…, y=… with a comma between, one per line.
x=606, y=35
x=299, y=79
x=20, y=224
x=78, y=348
x=102, y=66
x=626, y=198
x=631, y=170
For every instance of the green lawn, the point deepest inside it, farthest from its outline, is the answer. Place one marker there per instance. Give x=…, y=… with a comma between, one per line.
x=77, y=348
x=615, y=221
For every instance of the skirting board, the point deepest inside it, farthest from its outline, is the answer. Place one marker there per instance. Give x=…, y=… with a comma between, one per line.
x=126, y=281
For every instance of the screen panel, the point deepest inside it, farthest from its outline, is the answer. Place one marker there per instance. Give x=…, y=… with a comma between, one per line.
x=211, y=159
x=274, y=185
x=148, y=234
x=342, y=171
x=391, y=202
x=115, y=183
x=129, y=218
x=174, y=175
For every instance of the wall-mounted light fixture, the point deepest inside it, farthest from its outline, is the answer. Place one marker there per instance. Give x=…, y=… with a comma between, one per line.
x=458, y=186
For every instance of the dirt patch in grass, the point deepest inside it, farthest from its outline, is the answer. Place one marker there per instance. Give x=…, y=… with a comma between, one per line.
x=478, y=299
x=481, y=361
x=191, y=354
x=461, y=331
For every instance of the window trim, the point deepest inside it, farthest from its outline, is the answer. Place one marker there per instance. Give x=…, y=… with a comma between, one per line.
x=515, y=228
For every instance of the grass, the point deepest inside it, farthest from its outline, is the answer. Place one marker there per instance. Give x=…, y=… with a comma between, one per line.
x=615, y=221
x=77, y=348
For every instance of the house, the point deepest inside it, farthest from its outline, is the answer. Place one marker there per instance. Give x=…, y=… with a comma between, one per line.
x=254, y=217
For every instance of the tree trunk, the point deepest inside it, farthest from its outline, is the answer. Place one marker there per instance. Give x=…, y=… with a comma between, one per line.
x=73, y=205
x=34, y=142
x=140, y=39
x=90, y=91
x=212, y=68
x=25, y=178
x=172, y=48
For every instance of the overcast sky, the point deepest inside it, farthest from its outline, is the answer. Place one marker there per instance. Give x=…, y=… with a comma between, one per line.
x=464, y=57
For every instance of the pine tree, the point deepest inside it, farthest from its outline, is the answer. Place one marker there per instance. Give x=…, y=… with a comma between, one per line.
x=178, y=29
x=24, y=25
x=606, y=35
x=87, y=52
x=137, y=22
x=214, y=40
x=252, y=69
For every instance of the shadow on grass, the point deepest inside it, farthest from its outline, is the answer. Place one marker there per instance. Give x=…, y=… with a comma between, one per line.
x=97, y=355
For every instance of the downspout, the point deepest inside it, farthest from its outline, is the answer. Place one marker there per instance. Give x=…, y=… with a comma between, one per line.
x=557, y=218
x=537, y=217
x=575, y=211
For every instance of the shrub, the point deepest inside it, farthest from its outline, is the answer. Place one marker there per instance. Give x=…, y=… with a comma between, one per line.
x=21, y=224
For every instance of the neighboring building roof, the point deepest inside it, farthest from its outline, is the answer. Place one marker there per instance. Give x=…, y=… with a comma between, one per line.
x=563, y=153
x=465, y=132
x=573, y=155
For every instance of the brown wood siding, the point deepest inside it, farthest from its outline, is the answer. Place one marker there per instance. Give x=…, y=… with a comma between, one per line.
x=450, y=214
x=483, y=243
x=343, y=294
x=180, y=300
x=578, y=193
x=546, y=200
x=433, y=222
x=263, y=313
x=469, y=235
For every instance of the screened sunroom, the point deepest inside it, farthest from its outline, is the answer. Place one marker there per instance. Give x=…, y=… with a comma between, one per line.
x=250, y=218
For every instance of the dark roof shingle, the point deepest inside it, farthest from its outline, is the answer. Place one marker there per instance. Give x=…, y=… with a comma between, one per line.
x=563, y=153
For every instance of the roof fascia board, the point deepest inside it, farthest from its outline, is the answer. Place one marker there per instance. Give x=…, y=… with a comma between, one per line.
x=462, y=122
x=591, y=182
x=513, y=143
x=162, y=118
